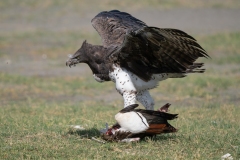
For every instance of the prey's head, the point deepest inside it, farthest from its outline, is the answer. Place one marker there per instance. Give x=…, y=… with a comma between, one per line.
x=79, y=57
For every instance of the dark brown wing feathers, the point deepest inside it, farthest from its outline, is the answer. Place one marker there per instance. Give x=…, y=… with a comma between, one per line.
x=158, y=121
x=160, y=48
x=149, y=114
x=113, y=25
x=135, y=46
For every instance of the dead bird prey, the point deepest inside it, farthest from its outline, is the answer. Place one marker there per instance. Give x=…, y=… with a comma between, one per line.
x=136, y=57
x=133, y=124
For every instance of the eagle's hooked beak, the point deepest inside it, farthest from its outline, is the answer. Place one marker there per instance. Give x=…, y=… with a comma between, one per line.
x=72, y=62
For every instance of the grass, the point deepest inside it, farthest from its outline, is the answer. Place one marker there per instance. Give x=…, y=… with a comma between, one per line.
x=40, y=97
x=33, y=130
x=224, y=47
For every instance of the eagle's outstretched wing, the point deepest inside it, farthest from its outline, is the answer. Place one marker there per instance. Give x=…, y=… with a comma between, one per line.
x=113, y=25
x=160, y=48
x=147, y=50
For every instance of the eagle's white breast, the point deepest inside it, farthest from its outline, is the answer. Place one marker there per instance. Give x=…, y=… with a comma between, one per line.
x=127, y=81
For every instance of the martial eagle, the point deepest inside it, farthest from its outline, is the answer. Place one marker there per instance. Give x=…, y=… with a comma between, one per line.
x=136, y=57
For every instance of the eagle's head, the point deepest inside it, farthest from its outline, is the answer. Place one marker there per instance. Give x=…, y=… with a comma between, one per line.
x=79, y=56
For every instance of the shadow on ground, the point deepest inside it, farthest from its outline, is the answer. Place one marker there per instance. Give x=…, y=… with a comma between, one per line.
x=94, y=132
x=88, y=133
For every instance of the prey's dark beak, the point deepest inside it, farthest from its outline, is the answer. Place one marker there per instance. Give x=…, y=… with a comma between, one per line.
x=72, y=62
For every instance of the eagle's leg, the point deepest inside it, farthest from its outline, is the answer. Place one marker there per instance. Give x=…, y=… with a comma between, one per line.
x=124, y=85
x=145, y=99
x=129, y=98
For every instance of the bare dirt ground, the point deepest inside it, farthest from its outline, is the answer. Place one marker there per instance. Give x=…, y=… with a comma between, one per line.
x=202, y=21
